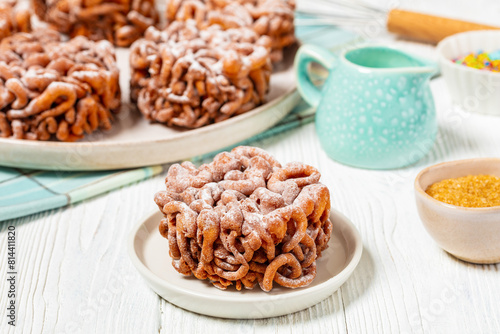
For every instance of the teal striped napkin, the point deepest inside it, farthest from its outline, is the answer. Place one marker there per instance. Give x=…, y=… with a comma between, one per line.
x=25, y=192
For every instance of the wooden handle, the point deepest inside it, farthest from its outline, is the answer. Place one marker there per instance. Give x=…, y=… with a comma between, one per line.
x=428, y=28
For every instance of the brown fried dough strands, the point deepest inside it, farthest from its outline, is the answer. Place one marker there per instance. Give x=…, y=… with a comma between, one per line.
x=244, y=219
x=56, y=90
x=186, y=77
x=120, y=22
x=13, y=18
x=273, y=18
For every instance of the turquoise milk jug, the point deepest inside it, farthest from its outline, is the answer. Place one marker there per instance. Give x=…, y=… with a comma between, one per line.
x=375, y=109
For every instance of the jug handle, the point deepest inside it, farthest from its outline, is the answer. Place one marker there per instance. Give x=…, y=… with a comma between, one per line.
x=305, y=55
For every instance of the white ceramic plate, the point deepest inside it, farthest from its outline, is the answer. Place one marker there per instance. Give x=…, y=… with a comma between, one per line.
x=149, y=253
x=134, y=142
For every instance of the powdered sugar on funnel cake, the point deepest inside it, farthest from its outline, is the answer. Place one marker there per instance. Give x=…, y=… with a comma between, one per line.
x=244, y=219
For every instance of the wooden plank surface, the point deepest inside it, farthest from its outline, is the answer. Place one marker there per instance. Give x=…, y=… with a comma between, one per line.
x=75, y=275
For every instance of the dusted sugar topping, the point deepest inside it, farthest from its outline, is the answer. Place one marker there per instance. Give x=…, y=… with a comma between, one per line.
x=273, y=18
x=244, y=219
x=473, y=191
x=120, y=22
x=51, y=89
x=187, y=77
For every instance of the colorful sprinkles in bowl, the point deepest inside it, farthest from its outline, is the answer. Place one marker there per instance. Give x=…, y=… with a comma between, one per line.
x=481, y=60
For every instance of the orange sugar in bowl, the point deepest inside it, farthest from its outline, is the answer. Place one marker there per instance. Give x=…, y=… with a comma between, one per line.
x=472, y=191
x=459, y=205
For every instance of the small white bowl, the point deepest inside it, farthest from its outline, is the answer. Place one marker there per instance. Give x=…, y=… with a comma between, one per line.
x=474, y=90
x=148, y=251
x=470, y=234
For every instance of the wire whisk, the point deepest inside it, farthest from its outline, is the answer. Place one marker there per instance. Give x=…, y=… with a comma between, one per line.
x=409, y=24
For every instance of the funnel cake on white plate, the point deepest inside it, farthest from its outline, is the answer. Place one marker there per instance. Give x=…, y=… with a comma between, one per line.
x=187, y=77
x=244, y=219
x=50, y=89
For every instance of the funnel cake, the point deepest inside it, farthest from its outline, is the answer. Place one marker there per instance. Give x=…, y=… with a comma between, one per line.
x=56, y=90
x=244, y=219
x=119, y=21
x=273, y=18
x=13, y=18
x=186, y=77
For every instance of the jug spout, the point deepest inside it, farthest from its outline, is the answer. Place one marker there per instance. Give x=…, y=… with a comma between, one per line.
x=383, y=60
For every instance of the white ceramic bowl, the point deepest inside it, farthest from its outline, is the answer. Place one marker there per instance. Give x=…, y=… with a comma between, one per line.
x=474, y=90
x=470, y=234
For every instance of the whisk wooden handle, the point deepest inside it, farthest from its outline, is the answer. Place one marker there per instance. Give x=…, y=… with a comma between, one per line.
x=427, y=27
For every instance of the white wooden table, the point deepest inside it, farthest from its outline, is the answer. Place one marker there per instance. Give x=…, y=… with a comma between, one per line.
x=75, y=275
